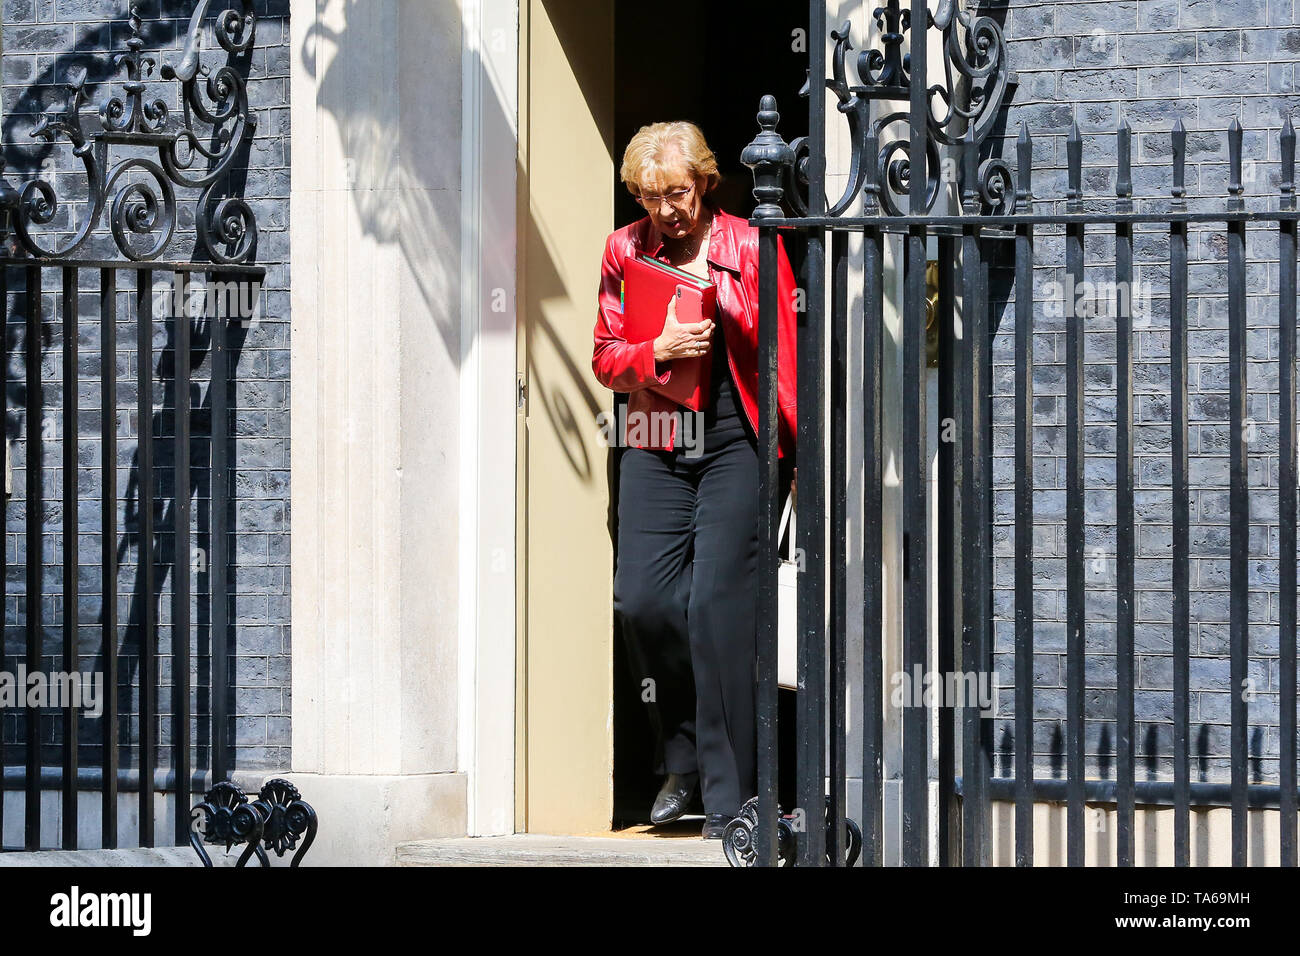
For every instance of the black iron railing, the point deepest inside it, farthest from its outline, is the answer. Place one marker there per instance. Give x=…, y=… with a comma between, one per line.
x=1000, y=223
x=163, y=547
x=131, y=283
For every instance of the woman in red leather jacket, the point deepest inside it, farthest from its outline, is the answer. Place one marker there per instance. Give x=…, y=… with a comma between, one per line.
x=684, y=585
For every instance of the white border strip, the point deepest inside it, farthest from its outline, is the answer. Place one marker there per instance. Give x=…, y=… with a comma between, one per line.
x=467, y=550
x=486, y=546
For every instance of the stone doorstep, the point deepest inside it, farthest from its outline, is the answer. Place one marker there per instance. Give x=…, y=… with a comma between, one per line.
x=535, y=849
x=521, y=849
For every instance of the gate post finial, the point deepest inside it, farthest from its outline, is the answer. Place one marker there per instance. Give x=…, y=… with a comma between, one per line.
x=970, y=172
x=1024, y=162
x=767, y=156
x=1074, y=162
x=1124, y=159
x=1179, y=141
x=1288, y=164
x=871, y=181
x=1235, y=186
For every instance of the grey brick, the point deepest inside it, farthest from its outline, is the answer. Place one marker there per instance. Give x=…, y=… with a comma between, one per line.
x=1212, y=80
x=1281, y=12
x=1101, y=84
x=1042, y=118
x=1031, y=21
x=1158, y=81
x=1096, y=117
x=1222, y=13
x=1271, y=44
x=1157, y=49
x=1219, y=46
x=1155, y=15
x=1103, y=18
x=1096, y=51
x=43, y=39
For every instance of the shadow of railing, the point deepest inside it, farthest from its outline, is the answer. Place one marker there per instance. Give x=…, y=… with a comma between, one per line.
x=185, y=246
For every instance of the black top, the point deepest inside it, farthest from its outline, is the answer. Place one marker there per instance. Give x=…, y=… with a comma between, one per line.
x=723, y=418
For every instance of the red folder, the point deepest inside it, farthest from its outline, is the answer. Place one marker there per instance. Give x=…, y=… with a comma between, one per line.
x=648, y=284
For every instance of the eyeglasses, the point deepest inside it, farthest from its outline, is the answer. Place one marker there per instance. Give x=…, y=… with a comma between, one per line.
x=675, y=198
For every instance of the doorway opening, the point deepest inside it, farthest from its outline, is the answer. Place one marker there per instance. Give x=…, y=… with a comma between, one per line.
x=709, y=64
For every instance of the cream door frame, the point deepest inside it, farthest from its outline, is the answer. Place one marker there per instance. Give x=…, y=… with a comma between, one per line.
x=486, y=546
x=564, y=698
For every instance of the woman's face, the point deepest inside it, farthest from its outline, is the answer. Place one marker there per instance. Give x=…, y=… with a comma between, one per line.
x=673, y=199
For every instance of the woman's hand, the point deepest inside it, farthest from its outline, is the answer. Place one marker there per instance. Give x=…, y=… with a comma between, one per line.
x=682, y=340
x=793, y=481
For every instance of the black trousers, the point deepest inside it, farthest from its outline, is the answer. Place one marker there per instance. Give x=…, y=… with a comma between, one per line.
x=685, y=591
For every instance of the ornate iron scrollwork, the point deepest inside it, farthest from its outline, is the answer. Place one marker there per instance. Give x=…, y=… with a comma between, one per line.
x=226, y=817
x=287, y=818
x=215, y=124
x=961, y=110
x=738, y=838
x=275, y=821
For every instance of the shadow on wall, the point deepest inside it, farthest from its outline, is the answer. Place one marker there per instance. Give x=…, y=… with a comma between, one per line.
x=94, y=49
x=1206, y=760
x=405, y=174
x=403, y=171
x=571, y=403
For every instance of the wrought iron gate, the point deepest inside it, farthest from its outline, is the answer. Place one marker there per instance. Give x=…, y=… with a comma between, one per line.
x=999, y=223
x=127, y=279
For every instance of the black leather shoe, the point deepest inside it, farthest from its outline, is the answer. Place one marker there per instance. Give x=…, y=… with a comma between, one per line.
x=674, y=797
x=714, y=825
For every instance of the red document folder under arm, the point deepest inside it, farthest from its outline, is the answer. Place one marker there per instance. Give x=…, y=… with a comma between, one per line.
x=648, y=284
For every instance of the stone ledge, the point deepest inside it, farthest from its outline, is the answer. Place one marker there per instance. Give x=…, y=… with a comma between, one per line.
x=134, y=856
x=533, y=849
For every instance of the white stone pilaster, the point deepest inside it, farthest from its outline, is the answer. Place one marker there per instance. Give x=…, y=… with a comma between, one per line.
x=376, y=403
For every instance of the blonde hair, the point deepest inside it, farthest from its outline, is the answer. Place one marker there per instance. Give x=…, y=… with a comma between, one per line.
x=644, y=158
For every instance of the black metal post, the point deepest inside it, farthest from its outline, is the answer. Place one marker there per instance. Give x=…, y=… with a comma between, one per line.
x=1024, y=535
x=768, y=155
x=148, y=634
x=949, y=538
x=1124, y=507
x=976, y=516
x=838, y=670
x=1238, y=503
x=108, y=548
x=1181, y=509
x=872, y=544
x=34, y=555
x=1287, y=504
x=811, y=613
x=219, y=557
x=1074, y=509
x=181, y=564
x=70, y=542
x=916, y=631
x=873, y=670
x=769, y=560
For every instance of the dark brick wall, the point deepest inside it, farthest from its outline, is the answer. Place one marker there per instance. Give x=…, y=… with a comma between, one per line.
x=42, y=40
x=1151, y=62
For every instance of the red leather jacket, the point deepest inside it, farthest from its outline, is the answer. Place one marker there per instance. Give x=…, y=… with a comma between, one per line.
x=733, y=268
